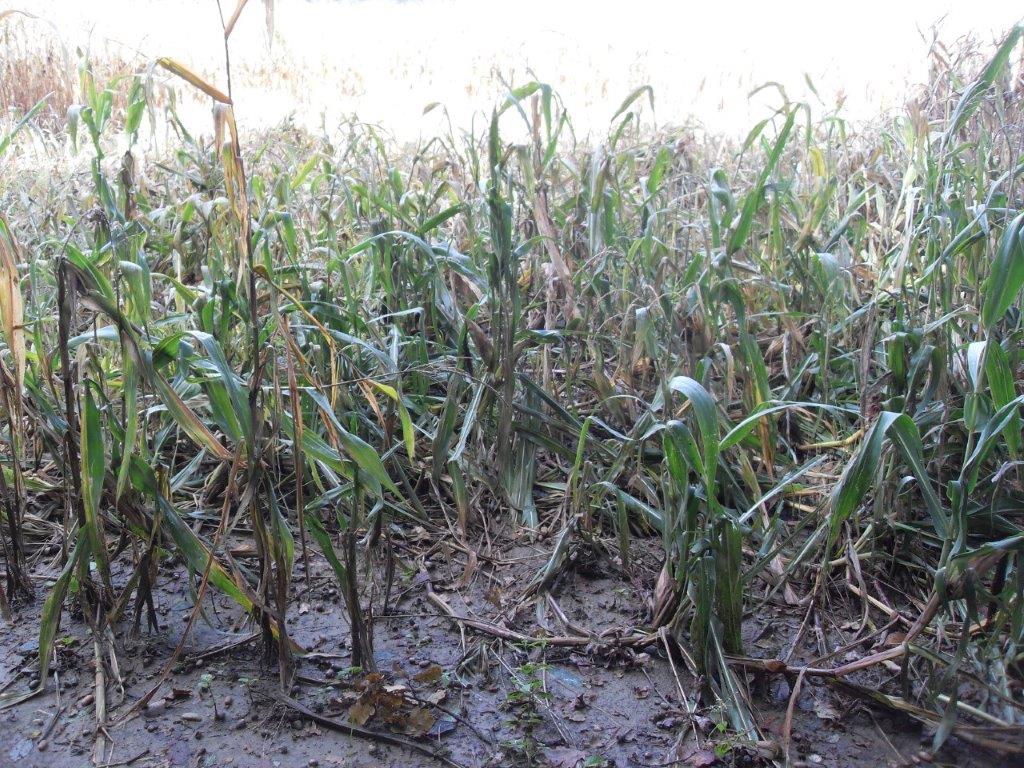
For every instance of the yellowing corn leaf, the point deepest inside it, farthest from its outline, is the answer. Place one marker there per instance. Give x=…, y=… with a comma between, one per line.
x=13, y=11
x=11, y=314
x=234, y=18
x=186, y=74
x=408, y=435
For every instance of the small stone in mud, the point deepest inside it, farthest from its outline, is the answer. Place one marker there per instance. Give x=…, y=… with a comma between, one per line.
x=191, y=717
x=28, y=648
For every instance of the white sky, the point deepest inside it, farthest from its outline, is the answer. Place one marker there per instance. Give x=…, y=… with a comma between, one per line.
x=386, y=60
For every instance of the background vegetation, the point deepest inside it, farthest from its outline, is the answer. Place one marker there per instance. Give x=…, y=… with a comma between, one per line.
x=793, y=360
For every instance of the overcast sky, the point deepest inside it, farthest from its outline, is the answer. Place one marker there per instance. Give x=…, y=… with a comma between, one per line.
x=386, y=60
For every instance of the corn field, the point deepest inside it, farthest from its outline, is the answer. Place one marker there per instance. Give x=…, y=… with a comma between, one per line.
x=764, y=394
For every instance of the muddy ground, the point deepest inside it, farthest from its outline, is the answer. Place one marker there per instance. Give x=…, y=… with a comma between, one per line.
x=460, y=694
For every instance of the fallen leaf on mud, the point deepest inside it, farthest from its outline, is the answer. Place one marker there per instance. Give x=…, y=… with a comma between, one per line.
x=443, y=726
x=704, y=723
x=565, y=757
x=467, y=575
x=419, y=722
x=824, y=710
x=179, y=752
x=360, y=712
x=372, y=680
x=429, y=675
x=493, y=596
x=342, y=701
x=419, y=533
x=437, y=697
x=702, y=758
x=21, y=749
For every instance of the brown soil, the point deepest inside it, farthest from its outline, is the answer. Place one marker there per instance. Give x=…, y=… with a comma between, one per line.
x=489, y=702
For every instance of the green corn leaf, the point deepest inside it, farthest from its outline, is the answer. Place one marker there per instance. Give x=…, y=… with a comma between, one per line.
x=681, y=451
x=729, y=585
x=238, y=417
x=358, y=450
x=859, y=475
x=905, y=434
x=197, y=554
x=282, y=533
x=752, y=201
x=971, y=98
x=445, y=430
x=93, y=471
x=323, y=539
x=706, y=413
x=130, y=378
x=643, y=90
x=1007, y=276
x=5, y=142
x=1001, y=384
x=186, y=418
x=737, y=434
x=861, y=472
x=648, y=513
x=989, y=438
x=408, y=434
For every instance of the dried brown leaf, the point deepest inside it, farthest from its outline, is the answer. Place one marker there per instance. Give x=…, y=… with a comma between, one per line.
x=564, y=757
x=429, y=675
x=419, y=722
x=360, y=712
